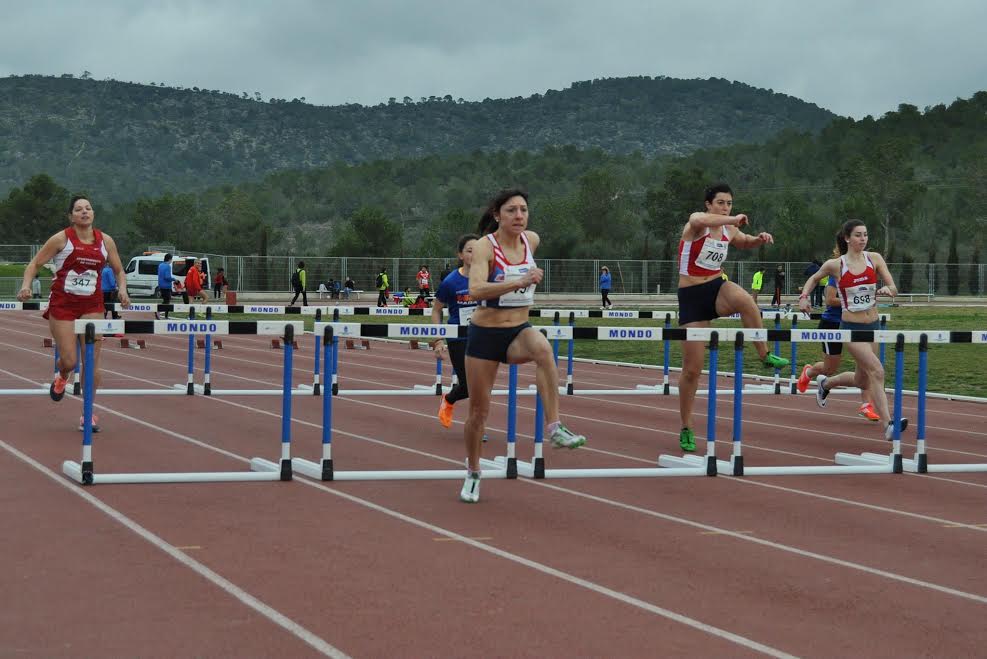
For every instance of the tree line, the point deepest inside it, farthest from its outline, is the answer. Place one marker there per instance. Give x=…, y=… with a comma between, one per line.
x=917, y=178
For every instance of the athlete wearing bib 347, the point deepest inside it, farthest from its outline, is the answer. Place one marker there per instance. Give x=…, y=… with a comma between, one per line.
x=704, y=294
x=503, y=279
x=856, y=273
x=79, y=254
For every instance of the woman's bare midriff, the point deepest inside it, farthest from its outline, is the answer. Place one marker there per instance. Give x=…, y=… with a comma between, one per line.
x=500, y=317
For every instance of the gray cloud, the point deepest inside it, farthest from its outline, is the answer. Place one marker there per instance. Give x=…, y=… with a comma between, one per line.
x=853, y=58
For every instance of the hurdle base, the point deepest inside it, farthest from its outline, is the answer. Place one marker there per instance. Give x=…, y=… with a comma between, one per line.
x=916, y=466
x=75, y=471
x=314, y=470
x=853, y=465
x=527, y=470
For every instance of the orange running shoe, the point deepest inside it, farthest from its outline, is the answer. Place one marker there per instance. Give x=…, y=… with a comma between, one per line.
x=445, y=413
x=57, y=389
x=803, y=382
x=867, y=411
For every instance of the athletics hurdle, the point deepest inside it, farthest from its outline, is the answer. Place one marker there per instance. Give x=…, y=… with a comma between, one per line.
x=536, y=468
x=844, y=463
x=919, y=463
x=325, y=469
x=83, y=471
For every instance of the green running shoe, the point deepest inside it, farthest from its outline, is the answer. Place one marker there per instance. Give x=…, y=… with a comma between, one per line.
x=565, y=438
x=687, y=440
x=774, y=361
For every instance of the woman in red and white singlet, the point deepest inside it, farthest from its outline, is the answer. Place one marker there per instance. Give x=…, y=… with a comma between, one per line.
x=502, y=279
x=79, y=253
x=857, y=272
x=705, y=295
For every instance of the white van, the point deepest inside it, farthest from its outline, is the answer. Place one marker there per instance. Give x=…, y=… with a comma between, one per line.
x=142, y=273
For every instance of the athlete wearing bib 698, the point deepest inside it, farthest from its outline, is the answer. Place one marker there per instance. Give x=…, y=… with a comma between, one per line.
x=704, y=294
x=856, y=273
x=503, y=278
x=79, y=254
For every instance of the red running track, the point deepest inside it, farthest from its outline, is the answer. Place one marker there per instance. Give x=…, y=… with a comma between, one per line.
x=809, y=566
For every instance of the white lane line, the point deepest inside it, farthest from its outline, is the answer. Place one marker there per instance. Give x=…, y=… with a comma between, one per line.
x=451, y=535
x=230, y=588
x=645, y=511
x=767, y=543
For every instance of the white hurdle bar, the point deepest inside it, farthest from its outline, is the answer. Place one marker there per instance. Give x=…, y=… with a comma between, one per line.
x=83, y=472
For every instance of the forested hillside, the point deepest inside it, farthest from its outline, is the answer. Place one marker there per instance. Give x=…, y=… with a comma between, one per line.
x=918, y=178
x=129, y=140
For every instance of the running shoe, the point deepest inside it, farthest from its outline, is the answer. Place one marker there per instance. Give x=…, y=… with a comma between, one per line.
x=82, y=422
x=57, y=389
x=889, y=430
x=821, y=393
x=445, y=413
x=565, y=438
x=471, y=486
x=803, y=382
x=774, y=361
x=867, y=411
x=687, y=440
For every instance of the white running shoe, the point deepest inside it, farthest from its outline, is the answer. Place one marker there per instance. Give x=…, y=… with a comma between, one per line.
x=889, y=430
x=471, y=488
x=821, y=392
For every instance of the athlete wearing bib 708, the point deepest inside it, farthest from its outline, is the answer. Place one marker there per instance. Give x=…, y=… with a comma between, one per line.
x=705, y=295
x=503, y=278
x=856, y=274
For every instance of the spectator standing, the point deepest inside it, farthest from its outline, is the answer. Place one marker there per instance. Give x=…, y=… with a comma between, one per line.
x=756, y=283
x=298, y=285
x=816, y=297
x=424, y=281
x=605, y=288
x=779, y=286
x=219, y=283
x=383, y=285
x=166, y=281
x=36, y=287
x=193, y=283
x=108, y=282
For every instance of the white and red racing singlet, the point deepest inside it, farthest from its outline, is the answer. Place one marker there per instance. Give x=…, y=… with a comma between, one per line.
x=503, y=270
x=78, y=267
x=857, y=292
x=704, y=256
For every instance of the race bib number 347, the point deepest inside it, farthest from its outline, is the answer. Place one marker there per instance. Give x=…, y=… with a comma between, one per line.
x=81, y=283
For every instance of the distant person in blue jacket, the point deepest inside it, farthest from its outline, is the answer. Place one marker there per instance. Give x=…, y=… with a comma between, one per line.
x=108, y=282
x=605, y=287
x=165, y=282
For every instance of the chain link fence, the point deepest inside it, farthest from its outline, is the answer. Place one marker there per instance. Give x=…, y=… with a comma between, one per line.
x=577, y=276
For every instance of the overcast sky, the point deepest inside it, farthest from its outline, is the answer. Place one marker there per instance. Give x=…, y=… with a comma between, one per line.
x=854, y=58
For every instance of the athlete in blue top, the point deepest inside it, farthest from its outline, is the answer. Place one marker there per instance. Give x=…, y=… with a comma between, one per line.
x=833, y=351
x=454, y=293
